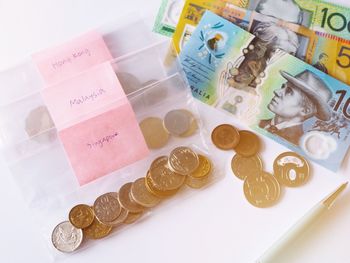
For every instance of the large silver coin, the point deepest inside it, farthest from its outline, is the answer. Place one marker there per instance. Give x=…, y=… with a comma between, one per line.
x=66, y=238
x=177, y=122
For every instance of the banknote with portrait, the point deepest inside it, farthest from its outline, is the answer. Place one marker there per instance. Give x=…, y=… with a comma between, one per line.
x=326, y=52
x=273, y=92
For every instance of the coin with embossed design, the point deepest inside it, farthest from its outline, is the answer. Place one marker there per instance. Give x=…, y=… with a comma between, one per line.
x=81, y=216
x=249, y=144
x=66, y=238
x=291, y=169
x=163, y=178
x=97, y=230
x=262, y=190
x=183, y=160
x=246, y=166
x=141, y=195
x=107, y=207
x=154, y=133
x=126, y=201
x=225, y=137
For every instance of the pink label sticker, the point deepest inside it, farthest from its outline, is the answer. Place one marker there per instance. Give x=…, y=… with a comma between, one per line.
x=75, y=99
x=104, y=143
x=64, y=61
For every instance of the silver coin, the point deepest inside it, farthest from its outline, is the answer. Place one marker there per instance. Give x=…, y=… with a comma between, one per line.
x=177, y=122
x=129, y=82
x=66, y=238
x=183, y=160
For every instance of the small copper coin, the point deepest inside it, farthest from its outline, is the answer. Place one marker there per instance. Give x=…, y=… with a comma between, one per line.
x=126, y=201
x=225, y=137
x=133, y=217
x=81, y=216
x=203, y=169
x=246, y=166
x=183, y=160
x=141, y=195
x=107, y=207
x=262, y=190
x=291, y=169
x=163, y=177
x=249, y=144
x=154, y=133
x=97, y=230
x=177, y=122
x=66, y=238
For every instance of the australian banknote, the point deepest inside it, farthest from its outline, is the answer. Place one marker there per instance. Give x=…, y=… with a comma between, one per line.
x=317, y=15
x=275, y=93
x=168, y=16
x=326, y=52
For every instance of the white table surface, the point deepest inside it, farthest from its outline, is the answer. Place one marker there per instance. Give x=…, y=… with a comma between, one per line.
x=198, y=229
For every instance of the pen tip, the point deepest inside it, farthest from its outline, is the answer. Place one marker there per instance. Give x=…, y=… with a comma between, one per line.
x=329, y=201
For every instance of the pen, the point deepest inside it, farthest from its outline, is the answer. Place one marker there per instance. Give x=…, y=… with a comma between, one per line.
x=301, y=226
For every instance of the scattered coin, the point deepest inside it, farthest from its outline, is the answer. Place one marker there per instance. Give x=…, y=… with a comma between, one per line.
x=163, y=178
x=107, y=207
x=248, y=145
x=183, y=160
x=81, y=216
x=262, y=190
x=177, y=122
x=291, y=169
x=126, y=201
x=66, y=238
x=225, y=137
x=154, y=133
x=97, y=230
x=141, y=195
x=246, y=166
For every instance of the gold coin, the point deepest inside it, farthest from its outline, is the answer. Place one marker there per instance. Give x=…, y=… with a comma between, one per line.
x=246, y=166
x=291, y=169
x=203, y=169
x=249, y=144
x=163, y=177
x=154, y=133
x=262, y=190
x=126, y=201
x=153, y=189
x=193, y=126
x=183, y=160
x=133, y=217
x=120, y=219
x=81, y=216
x=107, y=207
x=97, y=230
x=141, y=195
x=195, y=182
x=225, y=137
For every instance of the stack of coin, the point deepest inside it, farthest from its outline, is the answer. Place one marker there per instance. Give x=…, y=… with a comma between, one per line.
x=165, y=177
x=178, y=123
x=261, y=188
